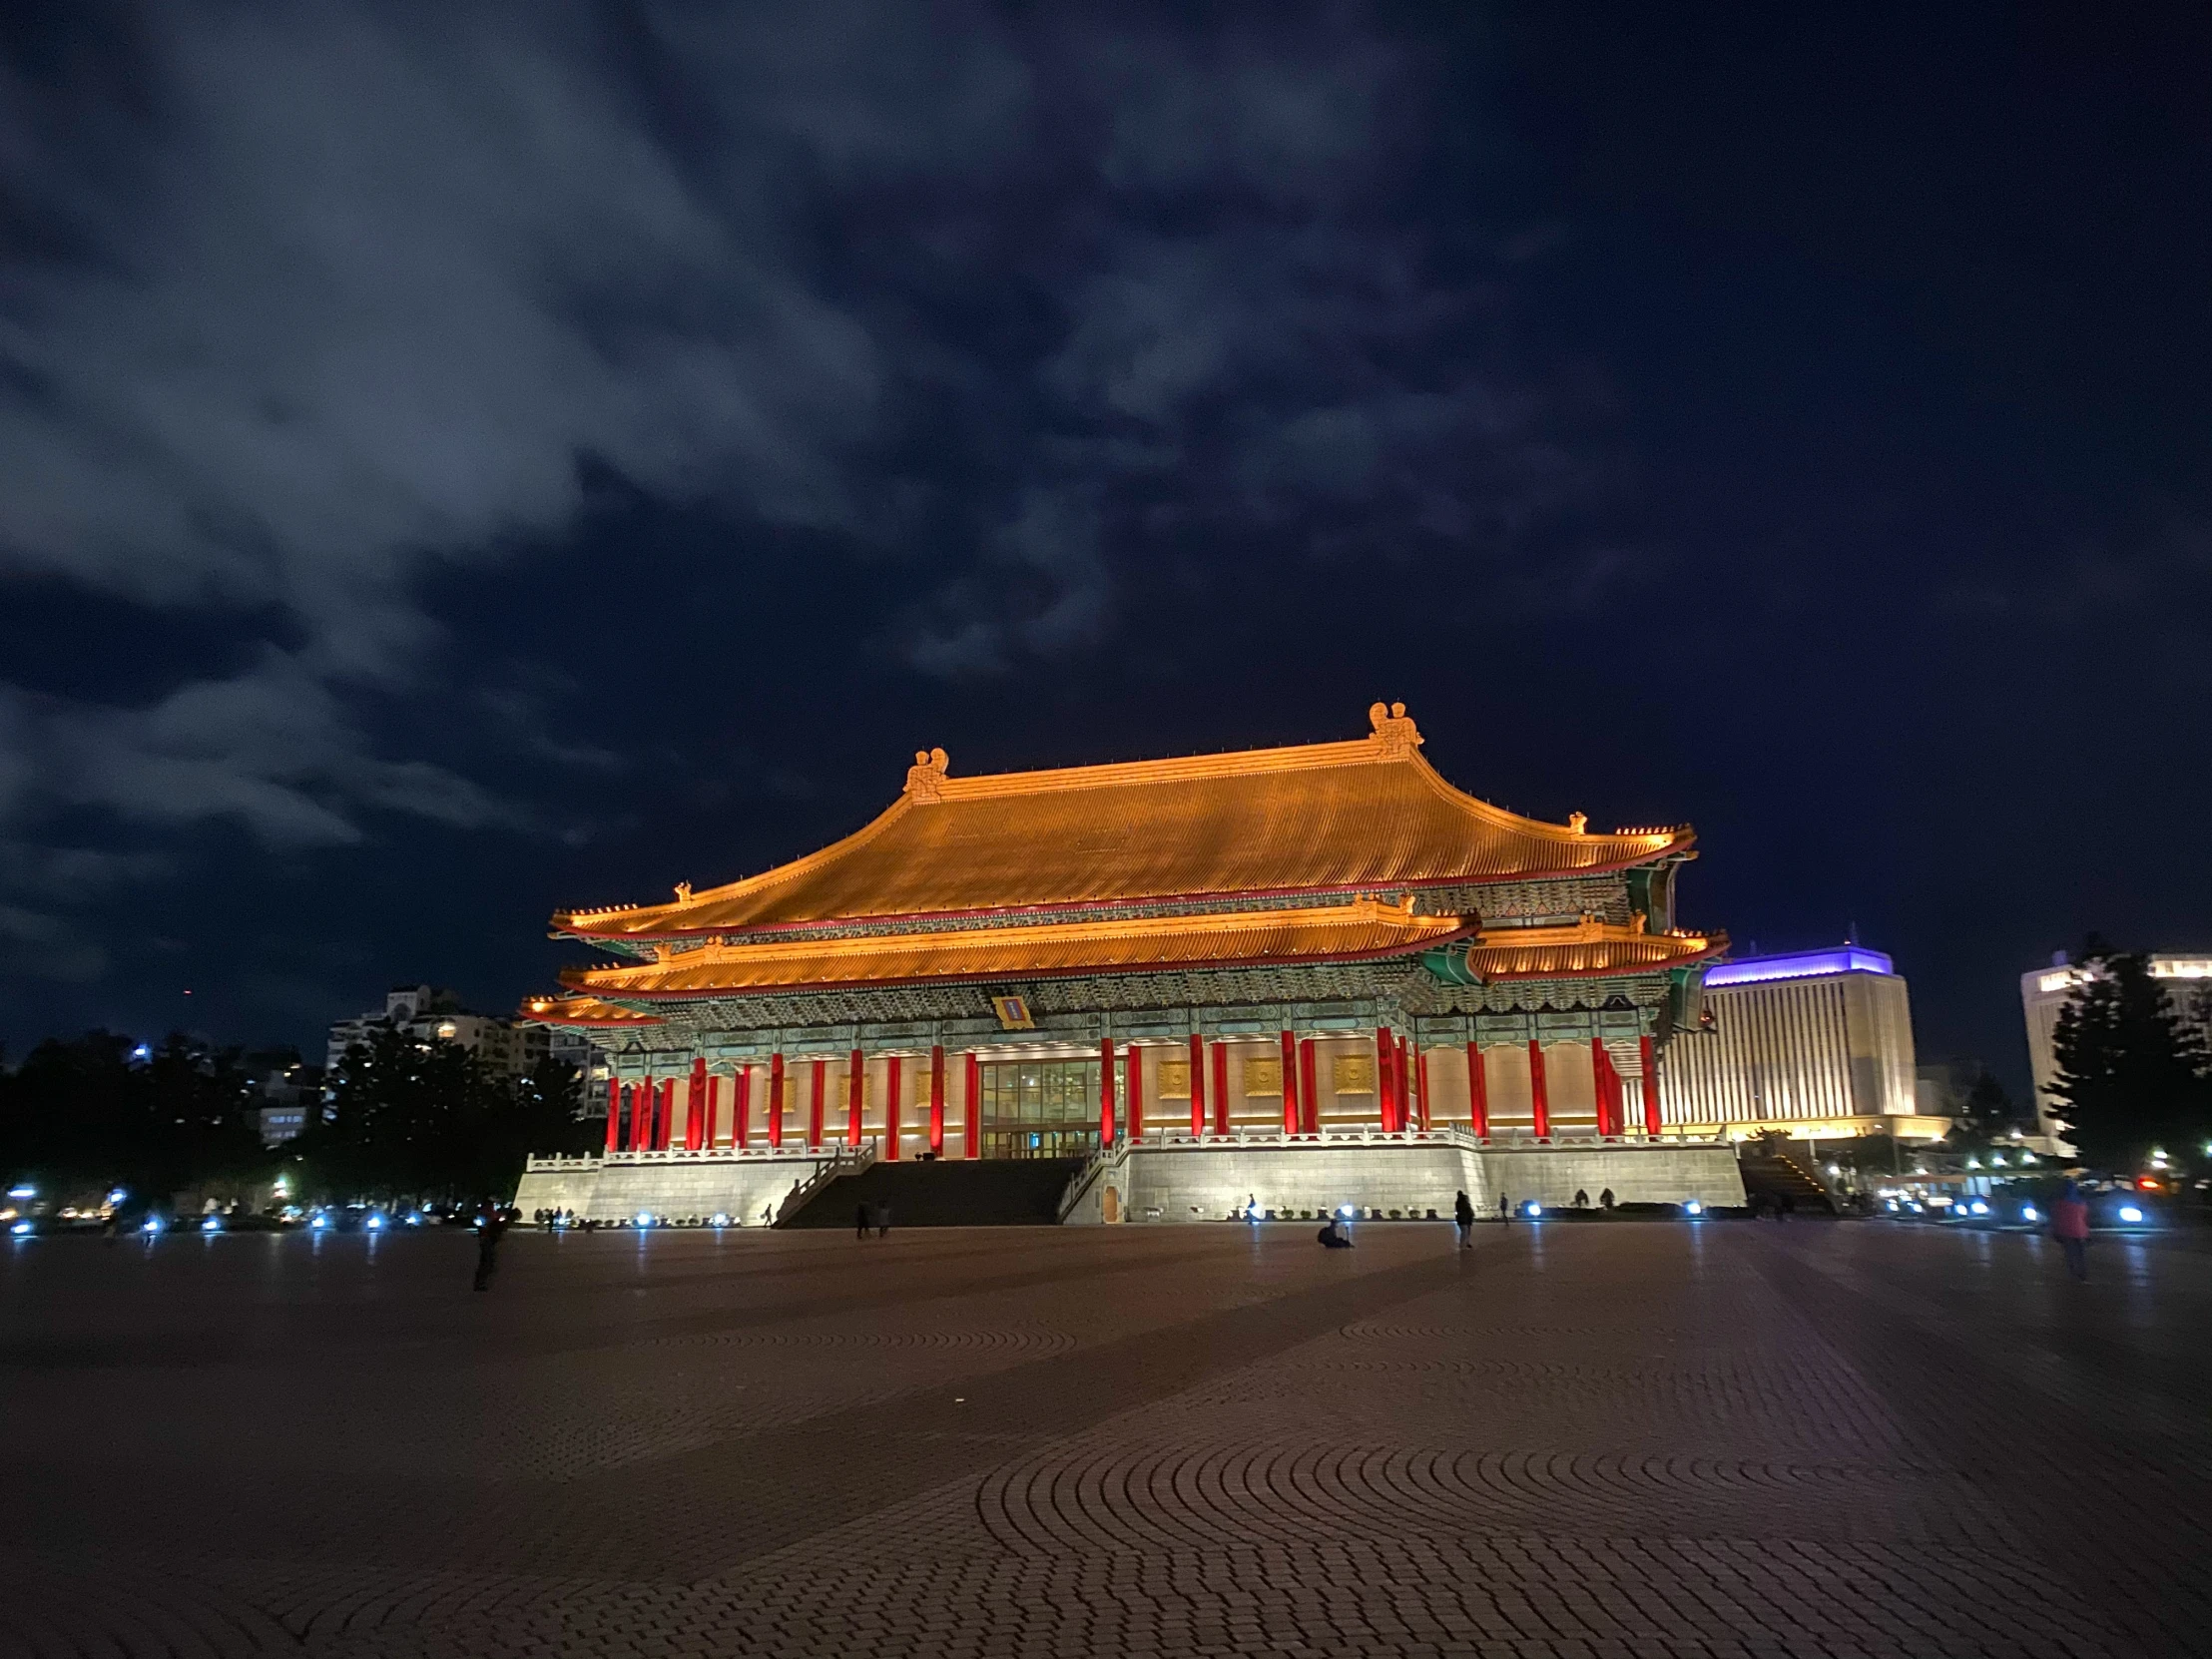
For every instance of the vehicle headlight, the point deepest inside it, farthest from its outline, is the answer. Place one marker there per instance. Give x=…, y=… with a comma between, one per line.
x=2129, y=1213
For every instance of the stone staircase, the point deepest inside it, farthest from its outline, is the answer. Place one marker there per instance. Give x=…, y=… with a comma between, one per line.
x=990, y=1192
x=1775, y=1174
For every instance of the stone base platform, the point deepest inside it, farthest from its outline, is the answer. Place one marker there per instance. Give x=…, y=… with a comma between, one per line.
x=750, y=1188
x=1177, y=1179
x=1180, y=1179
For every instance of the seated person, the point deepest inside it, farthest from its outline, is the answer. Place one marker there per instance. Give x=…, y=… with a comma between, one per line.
x=1336, y=1236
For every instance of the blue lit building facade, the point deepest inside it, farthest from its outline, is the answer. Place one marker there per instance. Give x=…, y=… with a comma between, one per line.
x=1816, y=1044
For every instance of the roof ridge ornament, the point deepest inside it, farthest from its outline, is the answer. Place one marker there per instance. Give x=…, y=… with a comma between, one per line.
x=1395, y=732
x=1578, y=823
x=925, y=778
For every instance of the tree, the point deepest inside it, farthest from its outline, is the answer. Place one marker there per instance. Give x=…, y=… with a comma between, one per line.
x=1987, y=1115
x=2132, y=1076
x=95, y=1111
x=424, y=1117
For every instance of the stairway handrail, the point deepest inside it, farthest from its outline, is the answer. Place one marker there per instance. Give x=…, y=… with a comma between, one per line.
x=842, y=1161
x=1085, y=1178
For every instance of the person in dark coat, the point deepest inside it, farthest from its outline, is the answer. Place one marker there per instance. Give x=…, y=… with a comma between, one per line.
x=2069, y=1225
x=490, y=1230
x=1336, y=1236
x=1462, y=1212
x=1505, y=1209
x=860, y=1221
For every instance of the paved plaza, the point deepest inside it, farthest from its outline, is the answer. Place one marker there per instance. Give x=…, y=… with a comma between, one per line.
x=1572, y=1440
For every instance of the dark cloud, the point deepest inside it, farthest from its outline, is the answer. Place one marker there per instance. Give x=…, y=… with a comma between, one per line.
x=446, y=450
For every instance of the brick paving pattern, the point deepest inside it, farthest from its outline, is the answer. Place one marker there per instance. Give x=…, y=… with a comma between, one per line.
x=1834, y=1440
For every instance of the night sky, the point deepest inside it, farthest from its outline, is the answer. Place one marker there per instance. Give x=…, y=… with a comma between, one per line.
x=457, y=461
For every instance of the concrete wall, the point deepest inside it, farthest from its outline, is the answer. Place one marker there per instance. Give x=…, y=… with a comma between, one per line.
x=740, y=1188
x=1207, y=1181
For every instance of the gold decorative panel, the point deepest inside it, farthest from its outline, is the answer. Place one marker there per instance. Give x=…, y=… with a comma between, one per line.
x=1352, y=1073
x=1263, y=1076
x=1173, y=1079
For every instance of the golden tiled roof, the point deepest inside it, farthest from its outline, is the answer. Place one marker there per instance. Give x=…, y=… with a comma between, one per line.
x=1357, y=931
x=583, y=1010
x=1365, y=816
x=1587, y=950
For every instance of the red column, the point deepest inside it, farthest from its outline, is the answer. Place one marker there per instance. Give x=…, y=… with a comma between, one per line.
x=641, y=1094
x=695, y=1106
x=1651, y=1084
x=855, y=1075
x=1106, y=1091
x=1290, y=1084
x=973, y=1124
x=1540, y=1105
x=1479, y=1092
x=741, y=1103
x=1421, y=1064
x=1386, y=1055
x=892, y=1080
x=776, y=1099
x=820, y=1082
x=1135, y=1095
x=664, y=1126
x=714, y=1100
x=614, y=1114
x=1198, y=1086
x=936, y=1099
x=1220, y=1089
x=1308, y=1090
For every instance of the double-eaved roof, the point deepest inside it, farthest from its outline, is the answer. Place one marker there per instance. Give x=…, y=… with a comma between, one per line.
x=1267, y=857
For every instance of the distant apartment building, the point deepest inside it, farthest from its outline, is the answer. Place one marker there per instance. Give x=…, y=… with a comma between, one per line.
x=2044, y=991
x=427, y=1011
x=1816, y=1044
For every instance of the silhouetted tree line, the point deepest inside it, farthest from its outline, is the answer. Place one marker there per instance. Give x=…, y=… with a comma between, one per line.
x=426, y=1118
x=86, y=1111
x=406, y=1117
x=2133, y=1073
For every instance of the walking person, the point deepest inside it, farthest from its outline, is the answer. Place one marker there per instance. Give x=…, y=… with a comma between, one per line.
x=2069, y=1225
x=882, y=1221
x=489, y=1230
x=1462, y=1212
x=860, y=1221
x=1505, y=1209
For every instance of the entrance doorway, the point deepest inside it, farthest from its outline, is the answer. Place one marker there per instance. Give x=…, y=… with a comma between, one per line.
x=1040, y=1108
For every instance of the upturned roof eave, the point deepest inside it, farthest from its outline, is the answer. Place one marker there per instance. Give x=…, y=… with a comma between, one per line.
x=1341, y=889
x=1401, y=948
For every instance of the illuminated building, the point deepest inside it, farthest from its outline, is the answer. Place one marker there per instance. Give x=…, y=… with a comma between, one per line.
x=1816, y=1044
x=2043, y=992
x=510, y=1048
x=1318, y=971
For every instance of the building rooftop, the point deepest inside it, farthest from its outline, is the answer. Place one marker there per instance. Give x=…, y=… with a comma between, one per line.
x=1368, y=815
x=1798, y=964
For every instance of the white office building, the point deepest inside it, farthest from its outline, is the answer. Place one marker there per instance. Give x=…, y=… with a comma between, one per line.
x=1816, y=1044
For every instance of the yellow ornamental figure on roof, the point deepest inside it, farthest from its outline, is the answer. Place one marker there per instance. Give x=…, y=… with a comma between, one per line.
x=925, y=778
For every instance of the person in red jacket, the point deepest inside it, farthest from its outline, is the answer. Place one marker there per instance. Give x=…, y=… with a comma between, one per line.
x=2069, y=1225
